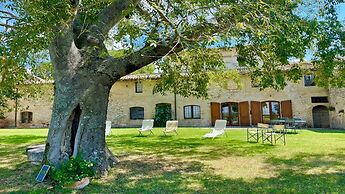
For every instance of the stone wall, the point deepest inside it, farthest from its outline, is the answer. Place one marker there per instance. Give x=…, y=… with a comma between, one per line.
x=39, y=104
x=337, y=107
x=296, y=92
x=123, y=97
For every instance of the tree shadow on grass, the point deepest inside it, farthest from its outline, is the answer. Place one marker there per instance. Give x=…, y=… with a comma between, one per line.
x=149, y=174
x=312, y=163
x=159, y=175
x=12, y=146
x=20, y=178
x=196, y=148
x=176, y=165
x=21, y=139
x=14, y=173
x=327, y=130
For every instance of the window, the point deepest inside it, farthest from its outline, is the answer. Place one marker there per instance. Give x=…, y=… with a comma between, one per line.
x=309, y=80
x=26, y=117
x=229, y=112
x=136, y=113
x=138, y=87
x=270, y=111
x=192, y=112
x=319, y=99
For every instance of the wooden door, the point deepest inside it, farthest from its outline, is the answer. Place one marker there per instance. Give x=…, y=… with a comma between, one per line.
x=215, y=112
x=321, y=117
x=244, y=113
x=256, y=112
x=286, y=109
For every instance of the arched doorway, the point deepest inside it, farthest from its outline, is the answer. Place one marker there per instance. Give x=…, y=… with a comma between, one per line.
x=321, y=117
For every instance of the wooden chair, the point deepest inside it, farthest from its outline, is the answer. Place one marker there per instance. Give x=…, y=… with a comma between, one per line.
x=267, y=133
x=255, y=132
x=279, y=133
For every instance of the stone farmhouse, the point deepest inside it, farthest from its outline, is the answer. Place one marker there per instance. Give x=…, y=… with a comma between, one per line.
x=132, y=100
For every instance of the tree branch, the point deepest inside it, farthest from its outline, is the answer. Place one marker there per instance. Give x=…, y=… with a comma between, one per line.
x=9, y=13
x=148, y=55
x=111, y=15
x=7, y=25
x=161, y=14
x=75, y=4
x=119, y=67
x=165, y=18
x=8, y=18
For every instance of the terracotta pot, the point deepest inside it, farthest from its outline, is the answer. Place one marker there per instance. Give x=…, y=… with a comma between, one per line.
x=80, y=184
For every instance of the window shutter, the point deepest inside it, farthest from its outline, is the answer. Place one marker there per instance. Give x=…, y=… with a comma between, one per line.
x=256, y=112
x=215, y=112
x=286, y=109
x=244, y=113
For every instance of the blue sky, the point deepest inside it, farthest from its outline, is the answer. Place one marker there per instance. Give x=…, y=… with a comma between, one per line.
x=341, y=17
x=341, y=12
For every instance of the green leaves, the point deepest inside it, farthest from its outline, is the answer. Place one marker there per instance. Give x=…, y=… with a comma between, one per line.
x=162, y=114
x=72, y=170
x=266, y=34
x=329, y=55
x=189, y=72
x=11, y=75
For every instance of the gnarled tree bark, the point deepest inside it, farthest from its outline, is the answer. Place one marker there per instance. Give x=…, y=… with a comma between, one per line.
x=80, y=105
x=84, y=75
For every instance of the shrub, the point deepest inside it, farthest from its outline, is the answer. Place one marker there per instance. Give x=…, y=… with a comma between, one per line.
x=162, y=114
x=71, y=171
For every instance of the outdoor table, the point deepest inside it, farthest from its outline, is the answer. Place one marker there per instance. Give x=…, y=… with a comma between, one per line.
x=300, y=123
x=277, y=121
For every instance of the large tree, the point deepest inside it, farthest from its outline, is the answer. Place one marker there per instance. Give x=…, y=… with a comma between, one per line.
x=178, y=35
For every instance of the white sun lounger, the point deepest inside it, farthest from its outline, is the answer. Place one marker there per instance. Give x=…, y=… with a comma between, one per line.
x=107, y=128
x=219, y=129
x=147, y=126
x=171, y=127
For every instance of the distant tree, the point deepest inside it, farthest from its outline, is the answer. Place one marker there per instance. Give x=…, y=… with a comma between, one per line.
x=11, y=76
x=170, y=33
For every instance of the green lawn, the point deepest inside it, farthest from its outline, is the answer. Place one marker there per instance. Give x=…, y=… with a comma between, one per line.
x=313, y=161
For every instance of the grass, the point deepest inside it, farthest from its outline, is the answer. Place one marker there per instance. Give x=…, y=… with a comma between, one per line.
x=313, y=161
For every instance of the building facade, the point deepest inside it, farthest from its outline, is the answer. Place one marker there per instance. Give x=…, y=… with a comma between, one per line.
x=131, y=100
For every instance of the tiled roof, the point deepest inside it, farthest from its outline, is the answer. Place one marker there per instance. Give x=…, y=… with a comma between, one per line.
x=140, y=76
x=37, y=80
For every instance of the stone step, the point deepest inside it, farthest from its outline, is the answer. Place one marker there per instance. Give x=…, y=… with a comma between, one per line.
x=35, y=153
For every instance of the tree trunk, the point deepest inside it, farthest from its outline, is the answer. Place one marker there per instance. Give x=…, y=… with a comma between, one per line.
x=80, y=108
x=78, y=123
x=84, y=72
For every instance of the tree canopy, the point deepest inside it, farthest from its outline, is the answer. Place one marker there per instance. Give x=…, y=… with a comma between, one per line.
x=266, y=34
x=181, y=37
